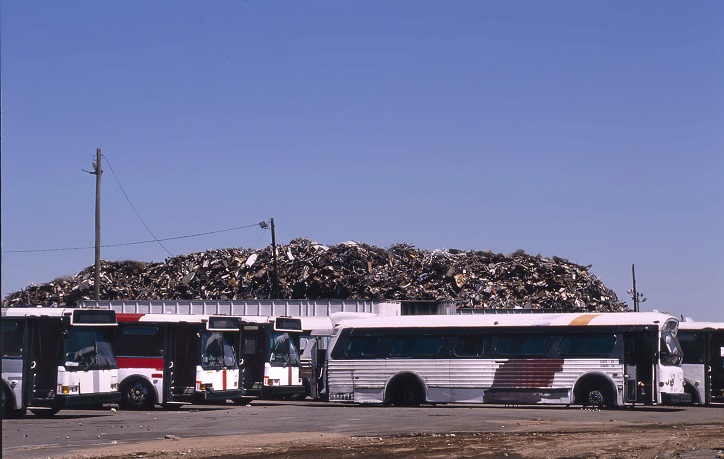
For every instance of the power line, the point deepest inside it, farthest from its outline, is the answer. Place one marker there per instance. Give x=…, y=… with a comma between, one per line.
x=133, y=243
x=134, y=208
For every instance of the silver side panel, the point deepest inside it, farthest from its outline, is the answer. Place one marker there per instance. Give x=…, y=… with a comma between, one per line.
x=526, y=381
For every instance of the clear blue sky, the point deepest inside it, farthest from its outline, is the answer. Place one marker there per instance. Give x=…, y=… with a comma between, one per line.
x=593, y=131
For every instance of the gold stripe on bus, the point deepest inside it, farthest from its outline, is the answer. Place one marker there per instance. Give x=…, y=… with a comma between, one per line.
x=585, y=319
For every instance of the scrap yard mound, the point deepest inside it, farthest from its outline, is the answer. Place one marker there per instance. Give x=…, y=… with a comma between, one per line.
x=349, y=270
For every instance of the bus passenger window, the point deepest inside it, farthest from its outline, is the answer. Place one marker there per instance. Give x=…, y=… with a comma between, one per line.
x=361, y=346
x=588, y=345
x=469, y=346
x=12, y=339
x=524, y=345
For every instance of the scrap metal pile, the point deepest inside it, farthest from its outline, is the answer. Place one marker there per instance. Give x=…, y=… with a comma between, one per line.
x=350, y=270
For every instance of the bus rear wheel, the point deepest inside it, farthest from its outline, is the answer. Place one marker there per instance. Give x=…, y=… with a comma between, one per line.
x=44, y=412
x=596, y=396
x=137, y=395
x=405, y=391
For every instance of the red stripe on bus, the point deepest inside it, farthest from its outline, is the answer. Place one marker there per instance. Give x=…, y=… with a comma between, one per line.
x=125, y=317
x=154, y=363
x=223, y=379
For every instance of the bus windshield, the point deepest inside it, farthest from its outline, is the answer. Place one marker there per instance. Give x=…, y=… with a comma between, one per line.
x=88, y=348
x=216, y=352
x=671, y=353
x=283, y=350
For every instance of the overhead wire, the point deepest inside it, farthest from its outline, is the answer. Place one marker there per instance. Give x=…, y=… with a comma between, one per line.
x=134, y=207
x=134, y=243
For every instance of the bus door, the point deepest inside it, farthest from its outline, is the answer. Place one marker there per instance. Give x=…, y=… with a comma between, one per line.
x=41, y=371
x=716, y=366
x=639, y=361
x=182, y=355
x=253, y=353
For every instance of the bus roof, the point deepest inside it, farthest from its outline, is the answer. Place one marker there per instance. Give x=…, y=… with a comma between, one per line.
x=511, y=320
x=78, y=316
x=170, y=318
x=690, y=325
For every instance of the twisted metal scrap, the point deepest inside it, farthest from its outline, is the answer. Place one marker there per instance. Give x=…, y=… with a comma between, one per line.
x=350, y=270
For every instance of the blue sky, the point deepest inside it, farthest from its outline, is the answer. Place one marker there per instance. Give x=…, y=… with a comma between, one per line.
x=593, y=131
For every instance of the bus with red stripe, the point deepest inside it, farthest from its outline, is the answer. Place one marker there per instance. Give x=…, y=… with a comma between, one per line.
x=270, y=354
x=177, y=358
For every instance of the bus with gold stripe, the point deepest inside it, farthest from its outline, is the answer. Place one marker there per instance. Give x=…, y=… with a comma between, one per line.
x=589, y=359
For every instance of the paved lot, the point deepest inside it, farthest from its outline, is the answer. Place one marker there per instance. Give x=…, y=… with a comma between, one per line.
x=299, y=425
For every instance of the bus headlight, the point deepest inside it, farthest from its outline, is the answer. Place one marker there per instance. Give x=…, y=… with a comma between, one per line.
x=207, y=387
x=67, y=390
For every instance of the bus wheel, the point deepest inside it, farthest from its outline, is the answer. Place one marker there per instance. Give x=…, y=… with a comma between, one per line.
x=596, y=396
x=405, y=391
x=137, y=395
x=243, y=401
x=44, y=412
x=7, y=410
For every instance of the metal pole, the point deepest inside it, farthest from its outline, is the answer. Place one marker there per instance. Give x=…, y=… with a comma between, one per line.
x=274, y=258
x=98, y=171
x=635, y=294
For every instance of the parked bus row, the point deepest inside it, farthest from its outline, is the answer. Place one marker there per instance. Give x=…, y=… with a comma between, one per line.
x=64, y=358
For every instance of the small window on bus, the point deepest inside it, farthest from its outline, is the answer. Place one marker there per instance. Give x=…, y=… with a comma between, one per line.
x=470, y=346
x=693, y=346
x=403, y=346
x=415, y=346
x=139, y=341
x=428, y=346
x=587, y=345
x=12, y=339
x=523, y=345
x=361, y=346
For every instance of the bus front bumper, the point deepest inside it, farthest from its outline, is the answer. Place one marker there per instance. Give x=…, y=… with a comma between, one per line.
x=217, y=395
x=283, y=391
x=675, y=399
x=73, y=401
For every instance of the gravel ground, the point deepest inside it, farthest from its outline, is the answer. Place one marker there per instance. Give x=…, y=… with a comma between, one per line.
x=640, y=441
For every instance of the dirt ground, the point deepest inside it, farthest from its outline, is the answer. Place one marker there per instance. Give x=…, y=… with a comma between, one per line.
x=640, y=441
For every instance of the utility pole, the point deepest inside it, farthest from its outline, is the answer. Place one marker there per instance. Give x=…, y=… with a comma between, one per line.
x=275, y=290
x=274, y=258
x=97, y=171
x=637, y=296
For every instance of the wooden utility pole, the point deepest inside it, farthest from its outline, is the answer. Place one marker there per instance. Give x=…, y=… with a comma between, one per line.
x=635, y=293
x=98, y=171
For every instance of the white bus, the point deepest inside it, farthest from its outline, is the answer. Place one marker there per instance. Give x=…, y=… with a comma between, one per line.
x=608, y=359
x=703, y=345
x=174, y=358
x=55, y=358
x=270, y=353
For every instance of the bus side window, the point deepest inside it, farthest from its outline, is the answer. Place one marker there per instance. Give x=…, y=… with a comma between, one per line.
x=693, y=346
x=470, y=346
x=524, y=345
x=12, y=339
x=139, y=341
x=361, y=346
x=591, y=345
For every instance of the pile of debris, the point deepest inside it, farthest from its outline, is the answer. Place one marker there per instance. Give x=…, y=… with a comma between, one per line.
x=350, y=270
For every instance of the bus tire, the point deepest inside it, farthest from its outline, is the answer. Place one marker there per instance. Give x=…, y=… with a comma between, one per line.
x=691, y=390
x=405, y=390
x=137, y=394
x=7, y=410
x=594, y=391
x=44, y=412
